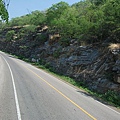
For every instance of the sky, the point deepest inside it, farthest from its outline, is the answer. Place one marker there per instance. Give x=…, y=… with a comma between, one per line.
x=19, y=8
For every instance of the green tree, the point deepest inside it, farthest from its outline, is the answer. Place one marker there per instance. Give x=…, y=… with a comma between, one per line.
x=55, y=12
x=20, y=21
x=14, y=22
x=37, y=18
x=3, y=11
x=67, y=24
x=97, y=2
x=111, y=21
x=112, y=11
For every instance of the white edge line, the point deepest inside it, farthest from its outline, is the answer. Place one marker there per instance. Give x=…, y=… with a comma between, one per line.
x=108, y=107
x=15, y=92
x=95, y=100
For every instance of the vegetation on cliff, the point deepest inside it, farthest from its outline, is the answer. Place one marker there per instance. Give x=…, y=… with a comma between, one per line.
x=89, y=21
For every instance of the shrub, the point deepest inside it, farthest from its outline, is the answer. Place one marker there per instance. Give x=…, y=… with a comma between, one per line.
x=41, y=38
x=112, y=97
x=56, y=54
x=10, y=34
x=29, y=28
x=65, y=41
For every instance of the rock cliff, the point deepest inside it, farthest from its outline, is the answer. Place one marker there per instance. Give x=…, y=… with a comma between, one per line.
x=96, y=65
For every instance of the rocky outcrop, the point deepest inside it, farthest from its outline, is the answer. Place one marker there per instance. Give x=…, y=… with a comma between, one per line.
x=96, y=66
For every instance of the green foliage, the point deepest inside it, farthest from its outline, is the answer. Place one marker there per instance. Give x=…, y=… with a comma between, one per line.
x=112, y=97
x=25, y=31
x=41, y=38
x=37, y=18
x=55, y=12
x=10, y=34
x=20, y=21
x=82, y=21
x=111, y=15
x=23, y=47
x=56, y=54
x=20, y=34
x=29, y=28
x=2, y=25
x=65, y=41
x=3, y=11
x=97, y=2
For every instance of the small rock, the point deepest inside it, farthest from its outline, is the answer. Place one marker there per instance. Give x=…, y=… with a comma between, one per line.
x=33, y=60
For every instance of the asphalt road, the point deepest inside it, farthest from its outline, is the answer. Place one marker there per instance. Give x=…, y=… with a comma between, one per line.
x=28, y=93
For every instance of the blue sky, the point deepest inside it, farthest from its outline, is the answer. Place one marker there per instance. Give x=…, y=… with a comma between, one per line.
x=21, y=7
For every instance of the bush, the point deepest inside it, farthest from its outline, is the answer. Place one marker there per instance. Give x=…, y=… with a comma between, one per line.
x=10, y=34
x=56, y=54
x=112, y=97
x=42, y=38
x=29, y=29
x=65, y=41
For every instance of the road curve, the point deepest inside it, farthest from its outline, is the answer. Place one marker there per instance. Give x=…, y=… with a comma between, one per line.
x=29, y=93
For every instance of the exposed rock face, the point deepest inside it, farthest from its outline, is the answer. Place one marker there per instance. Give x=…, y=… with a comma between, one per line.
x=96, y=66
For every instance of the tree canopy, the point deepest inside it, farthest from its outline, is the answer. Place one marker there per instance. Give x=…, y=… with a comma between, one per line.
x=88, y=20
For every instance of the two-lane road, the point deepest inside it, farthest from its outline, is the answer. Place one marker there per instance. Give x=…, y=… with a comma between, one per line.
x=28, y=93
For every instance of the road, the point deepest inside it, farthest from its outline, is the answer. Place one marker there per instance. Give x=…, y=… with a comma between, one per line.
x=29, y=93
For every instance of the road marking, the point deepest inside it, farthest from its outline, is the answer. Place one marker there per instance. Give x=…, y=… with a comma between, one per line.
x=15, y=92
x=108, y=107
x=61, y=94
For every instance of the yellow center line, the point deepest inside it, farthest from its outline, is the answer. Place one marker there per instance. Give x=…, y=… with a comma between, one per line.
x=62, y=94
